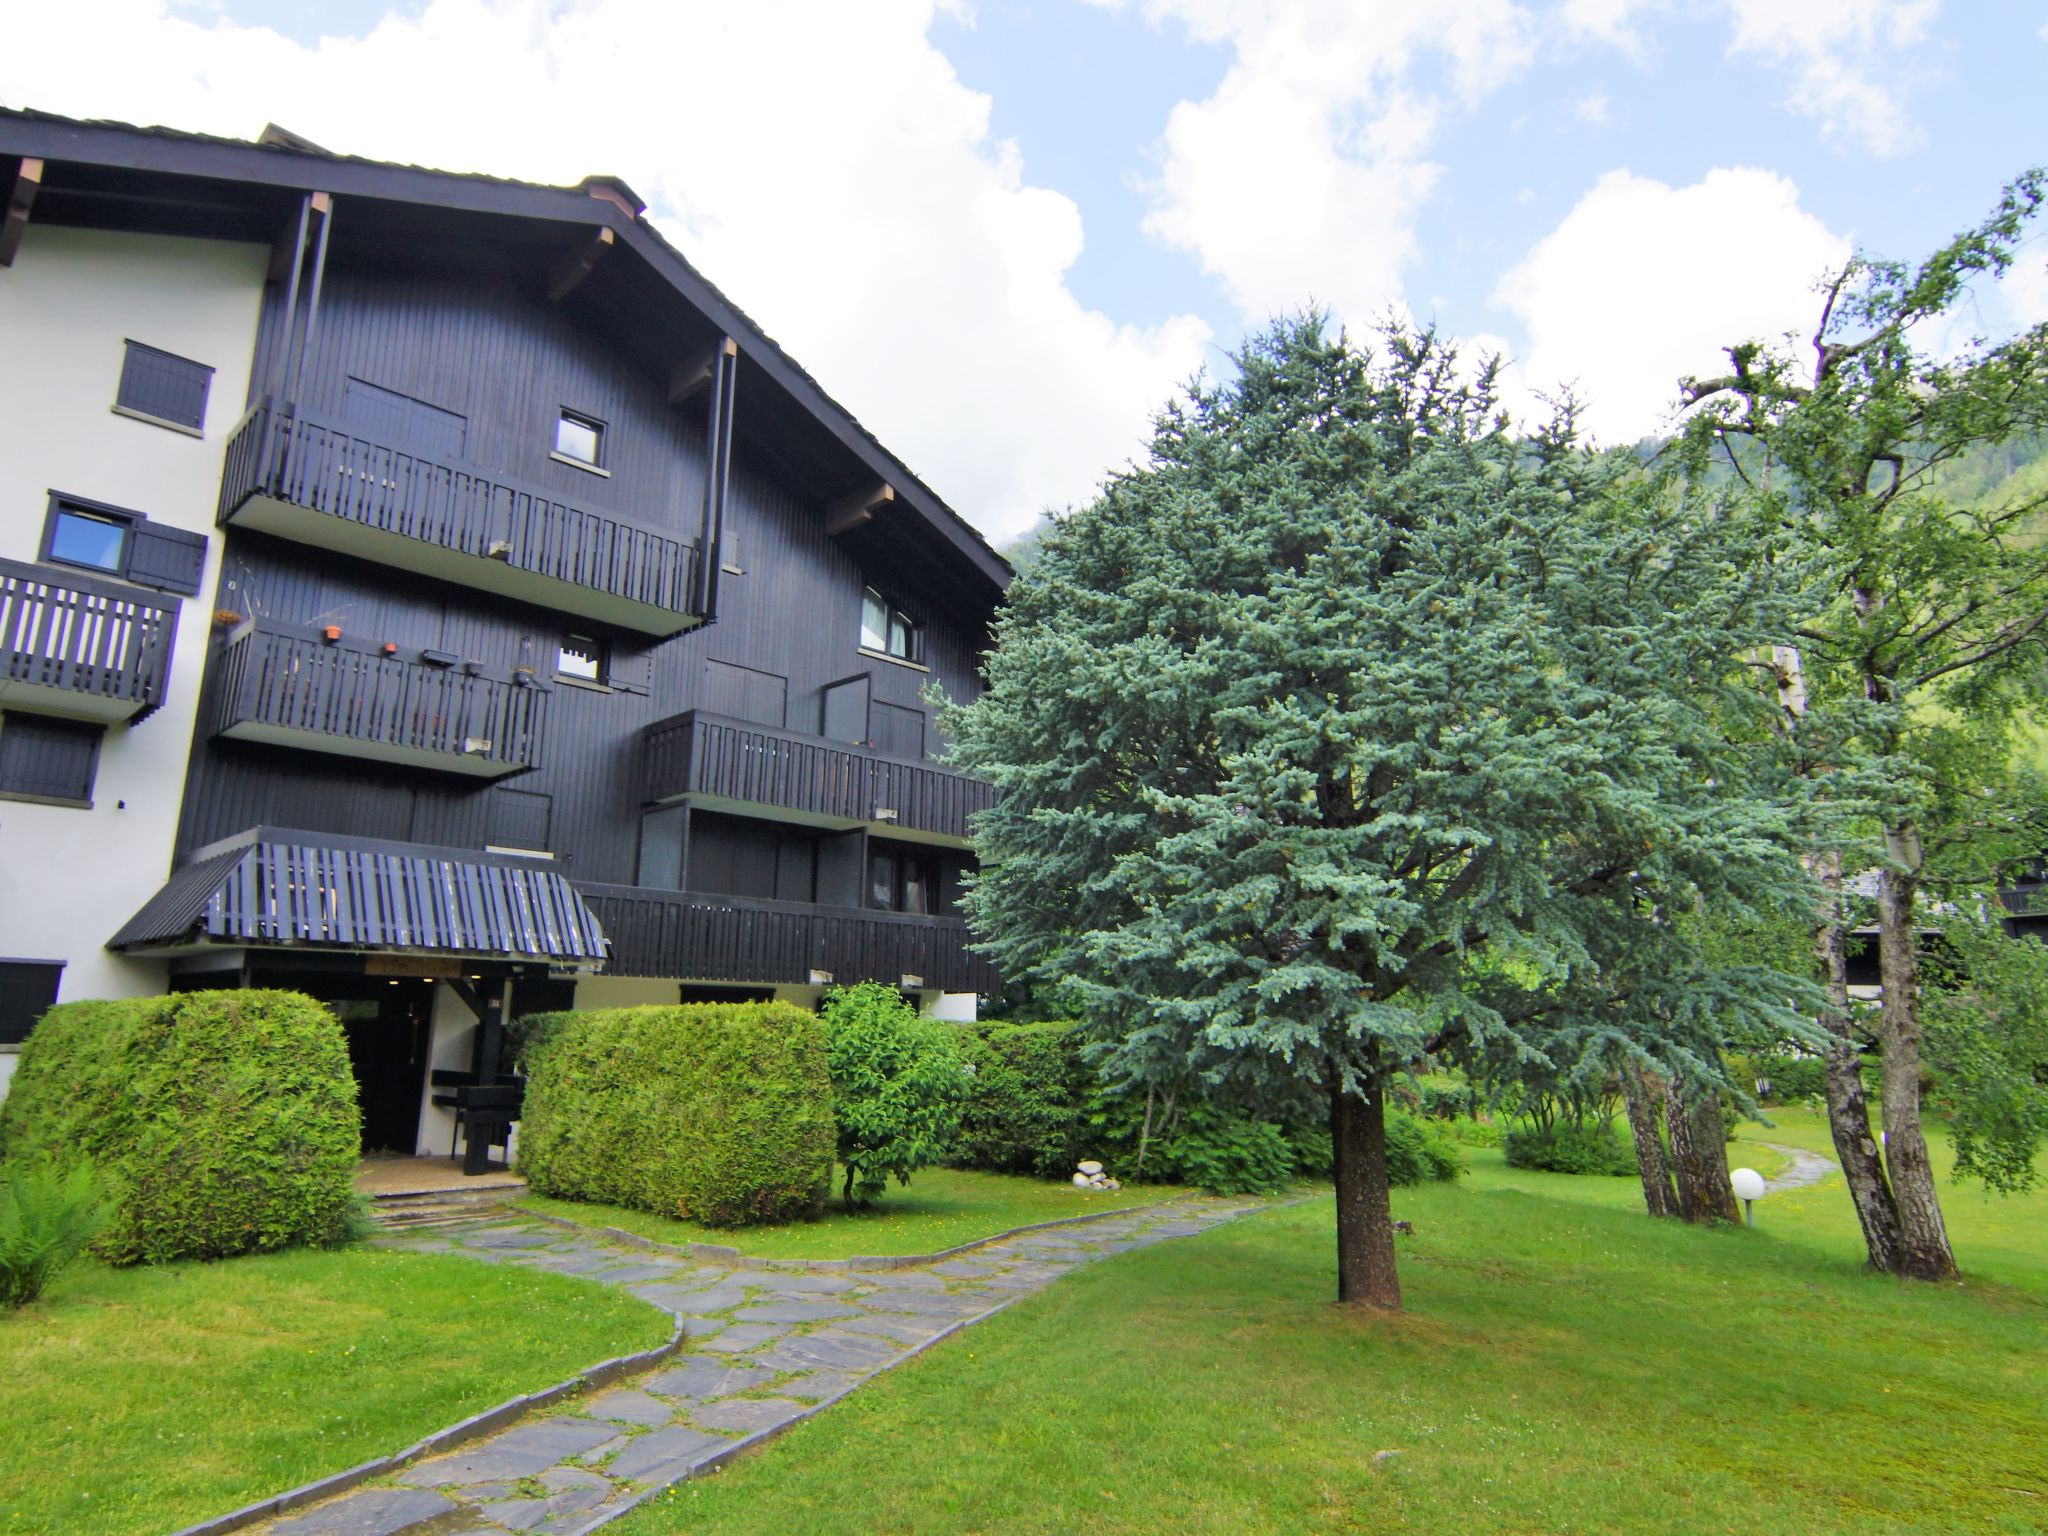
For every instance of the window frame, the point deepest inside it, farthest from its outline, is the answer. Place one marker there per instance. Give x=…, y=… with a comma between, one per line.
x=598, y=429
x=95, y=511
x=905, y=862
x=130, y=347
x=11, y=964
x=894, y=615
x=601, y=658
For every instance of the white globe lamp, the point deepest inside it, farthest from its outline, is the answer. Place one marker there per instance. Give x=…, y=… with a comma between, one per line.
x=1749, y=1188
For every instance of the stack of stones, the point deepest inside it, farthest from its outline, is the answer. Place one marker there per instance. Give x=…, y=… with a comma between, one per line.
x=1091, y=1176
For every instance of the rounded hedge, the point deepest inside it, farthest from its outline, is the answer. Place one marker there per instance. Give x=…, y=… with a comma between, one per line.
x=716, y=1112
x=1027, y=1100
x=220, y=1122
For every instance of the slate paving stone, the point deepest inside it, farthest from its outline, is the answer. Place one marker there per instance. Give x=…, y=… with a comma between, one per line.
x=741, y=1337
x=708, y=1378
x=794, y=1312
x=819, y=1385
x=633, y=1272
x=1179, y=1228
x=963, y=1269
x=521, y=1451
x=629, y=1405
x=794, y=1282
x=513, y=1237
x=902, y=1280
x=748, y=1415
x=838, y=1351
x=663, y=1455
x=904, y=1330
x=949, y=1305
x=571, y=1491
x=719, y=1298
x=370, y=1512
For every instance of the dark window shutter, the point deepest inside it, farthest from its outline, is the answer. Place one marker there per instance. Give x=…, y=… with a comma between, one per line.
x=519, y=818
x=28, y=988
x=400, y=421
x=898, y=730
x=50, y=759
x=746, y=694
x=631, y=671
x=169, y=558
x=846, y=710
x=165, y=386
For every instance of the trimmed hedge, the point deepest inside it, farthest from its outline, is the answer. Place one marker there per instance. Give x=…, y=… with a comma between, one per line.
x=1027, y=1100
x=716, y=1112
x=220, y=1122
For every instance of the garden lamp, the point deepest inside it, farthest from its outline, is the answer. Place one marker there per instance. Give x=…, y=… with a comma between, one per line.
x=1749, y=1188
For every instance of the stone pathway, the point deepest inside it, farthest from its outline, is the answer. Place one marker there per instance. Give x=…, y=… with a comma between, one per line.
x=765, y=1348
x=1807, y=1169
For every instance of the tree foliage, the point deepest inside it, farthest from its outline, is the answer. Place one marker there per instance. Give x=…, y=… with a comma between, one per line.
x=1351, y=728
x=898, y=1085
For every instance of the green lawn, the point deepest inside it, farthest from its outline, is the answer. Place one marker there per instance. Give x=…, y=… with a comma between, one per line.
x=1565, y=1365
x=941, y=1208
x=141, y=1400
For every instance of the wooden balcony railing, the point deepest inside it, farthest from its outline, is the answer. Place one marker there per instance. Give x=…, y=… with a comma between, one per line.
x=401, y=508
x=687, y=934
x=87, y=647
x=703, y=754
x=292, y=689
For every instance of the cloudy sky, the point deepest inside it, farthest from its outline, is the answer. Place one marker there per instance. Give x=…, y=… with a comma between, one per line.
x=1001, y=231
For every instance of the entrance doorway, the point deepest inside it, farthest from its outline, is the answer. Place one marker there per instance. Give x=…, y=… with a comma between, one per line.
x=389, y=1028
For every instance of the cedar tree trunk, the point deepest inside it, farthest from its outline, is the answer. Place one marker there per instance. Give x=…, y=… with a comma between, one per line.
x=1924, y=1251
x=1848, y=1111
x=1365, y=1214
x=1698, y=1157
x=1639, y=1090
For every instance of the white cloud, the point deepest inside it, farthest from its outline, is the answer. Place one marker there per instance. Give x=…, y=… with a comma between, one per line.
x=2025, y=286
x=1845, y=58
x=846, y=192
x=1593, y=111
x=1304, y=174
x=1606, y=21
x=1643, y=283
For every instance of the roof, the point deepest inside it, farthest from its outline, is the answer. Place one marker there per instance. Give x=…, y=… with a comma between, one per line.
x=276, y=886
x=282, y=159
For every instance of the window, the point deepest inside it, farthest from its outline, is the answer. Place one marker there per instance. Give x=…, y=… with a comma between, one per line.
x=28, y=988
x=579, y=439
x=48, y=760
x=582, y=660
x=93, y=539
x=887, y=629
x=164, y=388
x=902, y=882
x=123, y=543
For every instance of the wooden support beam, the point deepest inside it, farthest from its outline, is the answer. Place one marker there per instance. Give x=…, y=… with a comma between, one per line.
x=695, y=374
x=284, y=250
x=851, y=512
x=573, y=268
x=28, y=180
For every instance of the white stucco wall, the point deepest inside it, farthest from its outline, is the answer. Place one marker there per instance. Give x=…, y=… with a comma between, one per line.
x=70, y=877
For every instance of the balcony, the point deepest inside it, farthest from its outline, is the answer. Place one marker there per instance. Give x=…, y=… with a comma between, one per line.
x=292, y=690
x=74, y=645
x=687, y=934
x=318, y=482
x=725, y=764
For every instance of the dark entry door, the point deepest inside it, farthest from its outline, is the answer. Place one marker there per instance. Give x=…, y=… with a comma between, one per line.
x=388, y=1028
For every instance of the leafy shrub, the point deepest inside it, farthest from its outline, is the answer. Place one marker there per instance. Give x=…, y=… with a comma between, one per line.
x=1563, y=1147
x=220, y=1122
x=1420, y=1151
x=1476, y=1133
x=528, y=1035
x=47, y=1216
x=897, y=1086
x=718, y=1112
x=1439, y=1095
x=1224, y=1153
x=1028, y=1094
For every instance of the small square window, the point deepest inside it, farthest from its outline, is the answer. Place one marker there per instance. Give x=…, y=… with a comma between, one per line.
x=97, y=540
x=583, y=660
x=161, y=386
x=886, y=628
x=28, y=990
x=580, y=438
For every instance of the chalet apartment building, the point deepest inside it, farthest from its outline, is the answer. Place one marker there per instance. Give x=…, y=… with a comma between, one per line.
x=428, y=592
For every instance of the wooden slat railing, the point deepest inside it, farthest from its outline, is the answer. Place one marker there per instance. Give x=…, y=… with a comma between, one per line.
x=703, y=754
x=737, y=938
x=309, y=461
x=59, y=629
x=357, y=698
